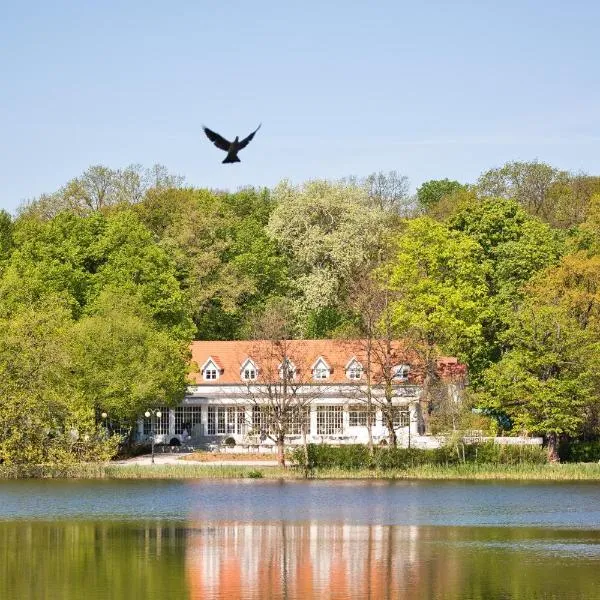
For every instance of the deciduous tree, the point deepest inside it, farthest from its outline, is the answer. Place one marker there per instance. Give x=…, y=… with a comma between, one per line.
x=439, y=280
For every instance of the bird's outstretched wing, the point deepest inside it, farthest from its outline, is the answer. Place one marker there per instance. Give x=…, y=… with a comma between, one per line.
x=247, y=140
x=219, y=141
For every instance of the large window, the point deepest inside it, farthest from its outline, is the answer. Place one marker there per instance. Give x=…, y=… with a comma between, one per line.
x=226, y=419
x=186, y=417
x=357, y=415
x=330, y=420
x=261, y=420
x=116, y=427
x=299, y=417
x=401, y=417
x=161, y=426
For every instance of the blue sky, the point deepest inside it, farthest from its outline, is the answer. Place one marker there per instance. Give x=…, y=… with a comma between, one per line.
x=430, y=89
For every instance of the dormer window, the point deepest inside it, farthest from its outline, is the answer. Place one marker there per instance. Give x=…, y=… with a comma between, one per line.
x=320, y=369
x=400, y=372
x=354, y=370
x=210, y=370
x=287, y=369
x=249, y=372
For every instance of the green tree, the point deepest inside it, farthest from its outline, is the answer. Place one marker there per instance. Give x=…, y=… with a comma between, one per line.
x=515, y=247
x=124, y=363
x=529, y=183
x=6, y=236
x=544, y=380
x=430, y=193
x=438, y=279
x=44, y=418
x=227, y=264
x=100, y=188
x=329, y=232
x=77, y=257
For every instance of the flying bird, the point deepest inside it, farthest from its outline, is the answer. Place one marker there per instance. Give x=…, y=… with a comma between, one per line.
x=232, y=148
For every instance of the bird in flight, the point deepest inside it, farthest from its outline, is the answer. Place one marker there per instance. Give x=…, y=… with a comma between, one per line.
x=232, y=148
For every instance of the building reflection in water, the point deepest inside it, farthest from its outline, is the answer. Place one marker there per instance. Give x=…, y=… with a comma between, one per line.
x=311, y=560
x=240, y=559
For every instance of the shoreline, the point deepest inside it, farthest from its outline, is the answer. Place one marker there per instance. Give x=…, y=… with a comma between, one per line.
x=193, y=470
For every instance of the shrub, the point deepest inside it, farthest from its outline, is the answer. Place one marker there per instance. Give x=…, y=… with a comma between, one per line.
x=355, y=456
x=577, y=451
x=255, y=474
x=323, y=456
x=229, y=442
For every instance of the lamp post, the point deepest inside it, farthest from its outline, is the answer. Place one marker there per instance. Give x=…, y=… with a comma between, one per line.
x=150, y=414
x=104, y=416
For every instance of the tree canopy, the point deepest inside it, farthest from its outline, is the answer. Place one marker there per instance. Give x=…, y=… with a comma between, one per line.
x=104, y=282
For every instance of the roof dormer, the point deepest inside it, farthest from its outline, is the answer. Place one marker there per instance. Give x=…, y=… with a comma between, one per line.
x=354, y=369
x=211, y=370
x=400, y=372
x=320, y=369
x=248, y=370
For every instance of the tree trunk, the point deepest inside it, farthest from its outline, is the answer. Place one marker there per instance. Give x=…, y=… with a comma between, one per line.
x=553, y=456
x=425, y=400
x=370, y=427
x=280, y=451
x=305, y=447
x=392, y=437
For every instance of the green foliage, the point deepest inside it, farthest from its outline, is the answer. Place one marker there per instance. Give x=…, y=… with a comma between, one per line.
x=76, y=258
x=326, y=322
x=330, y=232
x=226, y=263
x=515, y=247
x=438, y=279
x=529, y=183
x=101, y=188
x=431, y=192
x=578, y=451
x=6, y=233
x=124, y=363
x=357, y=456
x=44, y=417
x=544, y=381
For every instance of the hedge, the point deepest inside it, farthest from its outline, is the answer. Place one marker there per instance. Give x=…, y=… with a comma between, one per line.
x=356, y=456
x=577, y=451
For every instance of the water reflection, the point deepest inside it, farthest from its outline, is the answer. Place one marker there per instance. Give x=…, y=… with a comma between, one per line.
x=240, y=559
x=299, y=560
x=313, y=560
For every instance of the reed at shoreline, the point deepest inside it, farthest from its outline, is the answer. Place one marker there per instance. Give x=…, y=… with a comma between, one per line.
x=521, y=472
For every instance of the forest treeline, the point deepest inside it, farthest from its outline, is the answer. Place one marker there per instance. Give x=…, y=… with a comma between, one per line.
x=104, y=282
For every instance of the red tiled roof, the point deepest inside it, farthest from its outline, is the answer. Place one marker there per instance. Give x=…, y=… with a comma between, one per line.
x=231, y=355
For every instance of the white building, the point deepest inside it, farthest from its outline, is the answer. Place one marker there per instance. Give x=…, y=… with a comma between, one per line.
x=326, y=382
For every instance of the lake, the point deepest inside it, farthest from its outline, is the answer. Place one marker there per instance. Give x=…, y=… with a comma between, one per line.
x=170, y=539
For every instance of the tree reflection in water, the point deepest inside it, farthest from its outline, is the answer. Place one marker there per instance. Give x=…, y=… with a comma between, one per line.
x=229, y=559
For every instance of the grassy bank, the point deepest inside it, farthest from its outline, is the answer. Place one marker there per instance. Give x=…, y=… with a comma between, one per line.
x=523, y=472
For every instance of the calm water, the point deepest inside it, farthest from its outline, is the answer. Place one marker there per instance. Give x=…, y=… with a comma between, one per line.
x=257, y=539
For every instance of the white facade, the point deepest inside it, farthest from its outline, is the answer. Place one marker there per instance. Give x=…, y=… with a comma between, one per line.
x=211, y=413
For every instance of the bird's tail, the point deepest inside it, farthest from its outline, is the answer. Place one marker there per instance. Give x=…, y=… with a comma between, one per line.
x=231, y=159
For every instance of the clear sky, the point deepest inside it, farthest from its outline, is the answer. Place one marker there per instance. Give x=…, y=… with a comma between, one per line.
x=430, y=89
